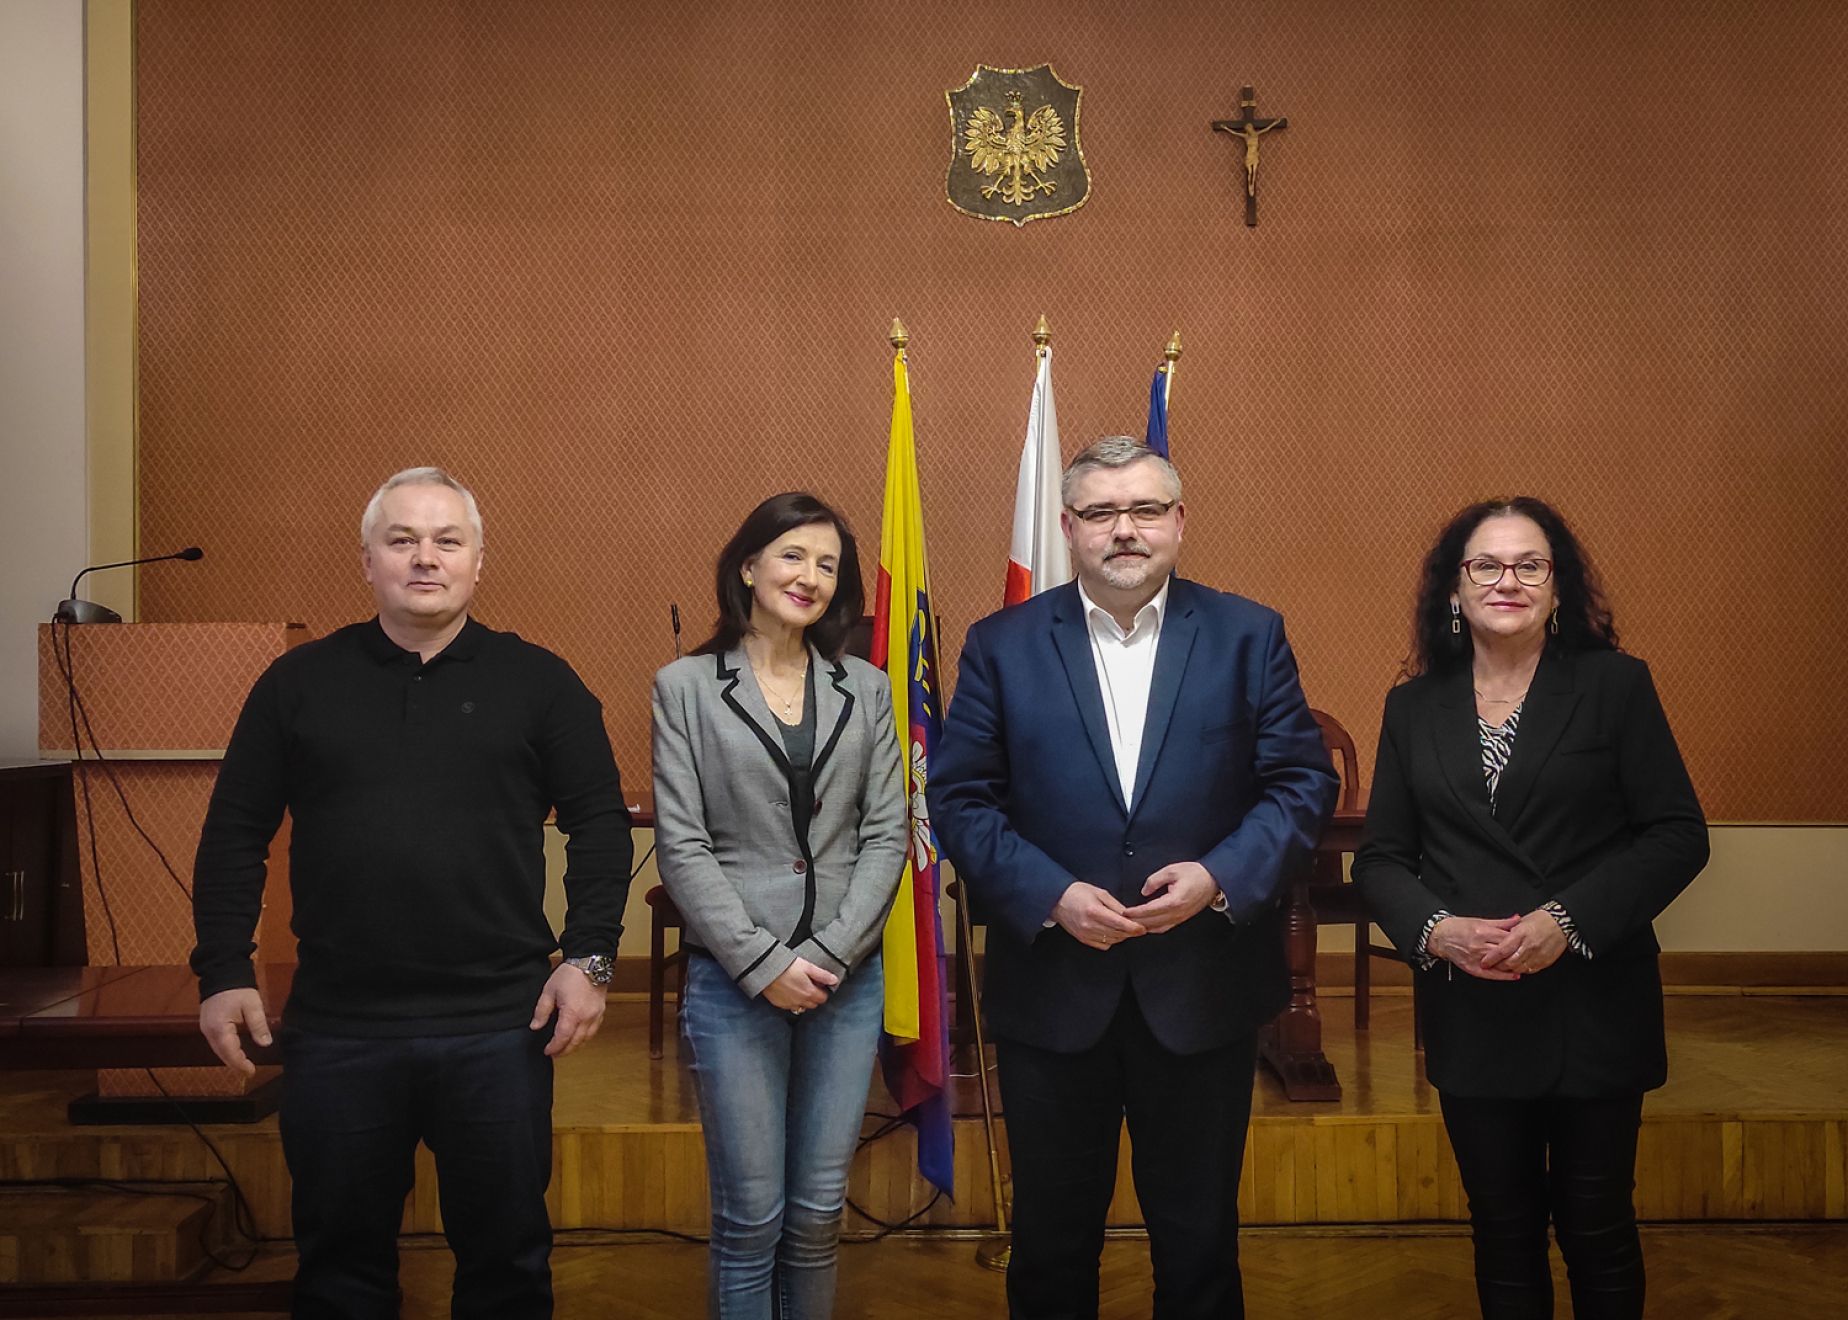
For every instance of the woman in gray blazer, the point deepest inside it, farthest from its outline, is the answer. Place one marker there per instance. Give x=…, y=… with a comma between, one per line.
x=780, y=825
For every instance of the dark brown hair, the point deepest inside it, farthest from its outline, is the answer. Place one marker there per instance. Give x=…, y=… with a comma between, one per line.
x=769, y=520
x=1584, y=619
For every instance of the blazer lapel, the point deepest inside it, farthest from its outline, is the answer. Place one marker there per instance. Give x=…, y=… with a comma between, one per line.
x=1178, y=631
x=1459, y=751
x=833, y=708
x=1545, y=712
x=747, y=703
x=1072, y=638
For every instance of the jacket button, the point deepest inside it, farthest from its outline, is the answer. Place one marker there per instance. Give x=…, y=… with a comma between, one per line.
x=1128, y=851
x=817, y=806
x=800, y=867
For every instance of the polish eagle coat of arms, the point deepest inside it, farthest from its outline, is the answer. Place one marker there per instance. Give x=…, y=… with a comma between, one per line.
x=1014, y=148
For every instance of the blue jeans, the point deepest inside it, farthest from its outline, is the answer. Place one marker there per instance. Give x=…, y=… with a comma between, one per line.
x=781, y=1100
x=353, y=1111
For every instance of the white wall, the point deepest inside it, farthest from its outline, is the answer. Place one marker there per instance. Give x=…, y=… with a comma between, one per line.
x=42, y=461
x=1768, y=889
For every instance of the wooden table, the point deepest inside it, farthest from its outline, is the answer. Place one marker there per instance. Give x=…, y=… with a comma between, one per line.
x=118, y=1017
x=1292, y=1044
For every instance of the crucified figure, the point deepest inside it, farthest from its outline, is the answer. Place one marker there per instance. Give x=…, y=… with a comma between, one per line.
x=1249, y=130
x=1249, y=127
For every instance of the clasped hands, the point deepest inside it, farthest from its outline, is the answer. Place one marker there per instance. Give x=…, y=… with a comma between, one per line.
x=1094, y=917
x=801, y=986
x=1501, y=950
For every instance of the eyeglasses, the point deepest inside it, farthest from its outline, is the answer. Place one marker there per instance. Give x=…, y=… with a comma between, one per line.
x=1144, y=514
x=1489, y=572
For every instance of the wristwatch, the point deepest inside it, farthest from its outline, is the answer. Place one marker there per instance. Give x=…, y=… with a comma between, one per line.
x=599, y=967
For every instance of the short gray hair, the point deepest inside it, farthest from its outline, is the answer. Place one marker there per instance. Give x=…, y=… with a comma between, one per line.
x=417, y=476
x=1114, y=451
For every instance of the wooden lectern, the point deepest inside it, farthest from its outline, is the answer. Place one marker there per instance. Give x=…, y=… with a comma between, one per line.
x=158, y=701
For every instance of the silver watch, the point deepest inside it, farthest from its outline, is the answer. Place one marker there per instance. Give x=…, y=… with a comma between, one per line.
x=599, y=967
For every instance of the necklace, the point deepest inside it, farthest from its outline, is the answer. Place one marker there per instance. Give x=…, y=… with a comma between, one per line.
x=769, y=689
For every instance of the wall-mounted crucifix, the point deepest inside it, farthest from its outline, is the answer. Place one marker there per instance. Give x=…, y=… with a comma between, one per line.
x=1249, y=127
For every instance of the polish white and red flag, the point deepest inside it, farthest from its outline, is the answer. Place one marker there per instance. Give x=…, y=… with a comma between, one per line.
x=1037, y=559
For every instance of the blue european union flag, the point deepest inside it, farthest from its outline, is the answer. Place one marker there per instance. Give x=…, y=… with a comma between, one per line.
x=1157, y=438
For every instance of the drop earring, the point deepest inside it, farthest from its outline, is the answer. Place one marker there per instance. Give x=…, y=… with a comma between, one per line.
x=1552, y=622
x=1456, y=618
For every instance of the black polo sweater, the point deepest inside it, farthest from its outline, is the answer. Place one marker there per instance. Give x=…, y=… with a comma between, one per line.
x=418, y=795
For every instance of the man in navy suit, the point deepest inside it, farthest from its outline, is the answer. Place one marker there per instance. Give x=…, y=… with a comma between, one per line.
x=1127, y=776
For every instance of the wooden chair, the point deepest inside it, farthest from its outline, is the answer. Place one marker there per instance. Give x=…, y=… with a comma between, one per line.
x=1336, y=901
x=663, y=917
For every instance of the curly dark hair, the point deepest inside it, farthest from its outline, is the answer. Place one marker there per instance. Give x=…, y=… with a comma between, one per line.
x=769, y=520
x=1585, y=622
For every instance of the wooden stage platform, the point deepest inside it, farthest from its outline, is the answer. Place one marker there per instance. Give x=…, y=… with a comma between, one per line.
x=1753, y=1125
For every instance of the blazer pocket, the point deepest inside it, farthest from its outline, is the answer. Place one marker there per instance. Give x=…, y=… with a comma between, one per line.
x=1598, y=747
x=1231, y=729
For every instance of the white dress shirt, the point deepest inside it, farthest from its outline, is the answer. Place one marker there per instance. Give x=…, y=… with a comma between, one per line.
x=1125, y=670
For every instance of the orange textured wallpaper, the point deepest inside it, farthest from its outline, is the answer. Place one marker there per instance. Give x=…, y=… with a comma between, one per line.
x=626, y=268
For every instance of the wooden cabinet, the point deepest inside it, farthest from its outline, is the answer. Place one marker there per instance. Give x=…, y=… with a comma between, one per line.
x=41, y=900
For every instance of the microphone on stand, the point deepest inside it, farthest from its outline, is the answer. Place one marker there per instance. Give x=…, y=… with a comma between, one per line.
x=673, y=612
x=88, y=611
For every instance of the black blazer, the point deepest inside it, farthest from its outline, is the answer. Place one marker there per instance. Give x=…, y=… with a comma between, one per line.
x=1595, y=809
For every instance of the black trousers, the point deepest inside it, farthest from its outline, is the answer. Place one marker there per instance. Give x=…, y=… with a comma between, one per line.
x=1574, y=1161
x=353, y=1112
x=1187, y=1117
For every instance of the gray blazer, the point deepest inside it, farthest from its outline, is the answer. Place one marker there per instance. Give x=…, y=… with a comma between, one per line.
x=754, y=894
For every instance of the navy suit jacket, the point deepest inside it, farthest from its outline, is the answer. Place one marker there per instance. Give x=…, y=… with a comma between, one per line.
x=1025, y=799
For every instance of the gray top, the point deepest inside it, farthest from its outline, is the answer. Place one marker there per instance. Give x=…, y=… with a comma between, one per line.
x=756, y=889
x=799, y=738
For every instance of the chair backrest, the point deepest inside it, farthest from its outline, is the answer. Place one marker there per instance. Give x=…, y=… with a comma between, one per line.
x=1341, y=751
x=860, y=637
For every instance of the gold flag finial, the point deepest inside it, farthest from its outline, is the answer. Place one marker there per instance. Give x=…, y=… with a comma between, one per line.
x=1042, y=333
x=898, y=336
x=1172, y=353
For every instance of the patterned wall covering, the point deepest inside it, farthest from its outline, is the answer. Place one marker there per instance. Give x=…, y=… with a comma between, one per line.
x=627, y=268
x=150, y=687
x=152, y=690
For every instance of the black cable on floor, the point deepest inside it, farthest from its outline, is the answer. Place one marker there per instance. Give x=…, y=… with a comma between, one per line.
x=244, y=1220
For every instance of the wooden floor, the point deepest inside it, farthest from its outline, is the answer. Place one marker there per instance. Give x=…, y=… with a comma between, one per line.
x=1707, y=1273
x=1753, y=1125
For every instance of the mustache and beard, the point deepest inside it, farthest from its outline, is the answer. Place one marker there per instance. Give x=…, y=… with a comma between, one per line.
x=1127, y=564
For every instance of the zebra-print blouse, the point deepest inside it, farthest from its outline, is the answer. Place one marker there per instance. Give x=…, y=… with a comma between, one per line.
x=1497, y=746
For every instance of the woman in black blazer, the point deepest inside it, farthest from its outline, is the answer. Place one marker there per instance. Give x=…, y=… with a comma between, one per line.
x=1530, y=815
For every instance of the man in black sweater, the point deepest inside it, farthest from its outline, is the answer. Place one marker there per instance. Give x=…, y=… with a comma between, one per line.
x=417, y=754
